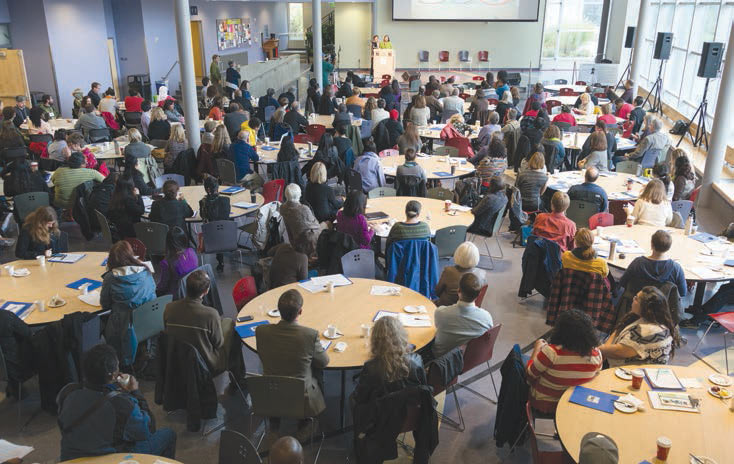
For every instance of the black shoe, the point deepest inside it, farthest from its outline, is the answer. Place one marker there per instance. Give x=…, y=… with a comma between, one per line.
x=220, y=267
x=691, y=323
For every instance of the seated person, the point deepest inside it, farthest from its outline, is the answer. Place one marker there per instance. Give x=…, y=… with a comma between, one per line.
x=132, y=174
x=251, y=127
x=188, y=320
x=147, y=164
x=180, y=259
x=485, y=212
x=597, y=158
x=556, y=226
x=242, y=153
x=89, y=120
x=126, y=208
x=320, y=196
x=569, y=358
x=491, y=160
x=565, y=116
x=652, y=207
x=172, y=209
x=410, y=167
x=466, y=259
x=286, y=450
x=611, y=145
x=583, y=257
x=119, y=420
x=351, y=220
x=21, y=177
x=462, y=322
x=14, y=333
x=67, y=178
x=532, y=182
x=655, y=269
x=606, y=114
x=369, y=167
x=300, y=223
x=58, y=150
x=289, y=265
x=214, y=207
x=645, y=334
x=76, y=142
x=39, y=235
x=589, y=190
x=295, y=119
x=290, y=349
x=410, y=229
x=342, y=143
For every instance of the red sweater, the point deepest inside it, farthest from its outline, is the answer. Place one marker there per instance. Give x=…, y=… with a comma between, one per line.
x=608, y=119
x=132, y=104
x=565, y=117
x=624, y=110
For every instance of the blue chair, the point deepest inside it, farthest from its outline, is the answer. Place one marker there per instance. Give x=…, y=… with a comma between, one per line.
x=448, y=239
x=359, y=263
x=682, y=207
x=178, y=178
x=650, y=158
x=356, y=111
x=413, y=264
x=365, y=130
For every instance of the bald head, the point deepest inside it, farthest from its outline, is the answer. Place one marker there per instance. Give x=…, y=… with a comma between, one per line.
x=591, y=174
x=286, y=450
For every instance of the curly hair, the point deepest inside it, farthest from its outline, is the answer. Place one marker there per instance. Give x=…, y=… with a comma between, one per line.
x=653, y=308
x=575, y=331
x=389, y=348
x=36, y=223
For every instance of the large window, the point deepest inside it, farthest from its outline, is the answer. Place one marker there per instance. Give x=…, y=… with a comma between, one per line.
x=295, y=21
x=571, y=29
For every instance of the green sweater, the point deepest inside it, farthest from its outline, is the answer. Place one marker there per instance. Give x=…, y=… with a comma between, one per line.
x=214, y=73
x=403, y=231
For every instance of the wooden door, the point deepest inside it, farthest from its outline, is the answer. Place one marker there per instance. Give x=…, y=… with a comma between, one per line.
x=13, y=80
x=196, y=41
x=113, y=68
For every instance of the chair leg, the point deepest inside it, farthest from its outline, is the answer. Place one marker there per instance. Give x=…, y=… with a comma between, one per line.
x=695, y=349
x=471, y=390
x=460, y=426
x=321, y=443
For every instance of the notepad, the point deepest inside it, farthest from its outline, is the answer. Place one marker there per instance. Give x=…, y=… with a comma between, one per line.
x=92, y=284
x=662, y=379
x=593, y=399
x=66, y=258
x=233, y=190
x=703, y=237
x=17, y=307
x=415, y=320
x=325, y=344
x=10, y=451
x=382, y=313
x=376, y=215
x=442, y=173
x=248, y=330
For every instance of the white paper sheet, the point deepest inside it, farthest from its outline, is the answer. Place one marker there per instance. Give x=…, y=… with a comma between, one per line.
x=244, y=205
x=10, y=451
x=337, y=279
x=705, y=273
x=415, y=320
x=91, y=298
x=384, y=290
x=68, y=258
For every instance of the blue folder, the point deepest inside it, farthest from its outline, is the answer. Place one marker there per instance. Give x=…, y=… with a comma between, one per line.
x=703, y=237
x=248, y=330
x=442, y=173
x=268, y=148
x=593, y=399
x=92, y=284
x=20, y=311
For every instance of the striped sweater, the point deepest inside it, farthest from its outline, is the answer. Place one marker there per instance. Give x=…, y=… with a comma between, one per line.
x=554, y=369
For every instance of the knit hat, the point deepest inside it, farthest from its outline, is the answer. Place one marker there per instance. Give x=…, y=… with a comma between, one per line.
x=394, y=115
x=76, y=160
x=597, y=448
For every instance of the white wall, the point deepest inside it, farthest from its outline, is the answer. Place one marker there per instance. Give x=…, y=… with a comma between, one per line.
x=616, y=30
x=353, y=23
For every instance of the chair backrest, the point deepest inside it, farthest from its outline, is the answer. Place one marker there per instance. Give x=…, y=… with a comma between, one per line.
x=566, y=91
x=440, y=193
x=601, y=220
x=480, y=298
x=153, y=236
x=356, y=111
x=91, y=334
x=178, y=178
x=483, y=56
x=463, y=55
x=300, y=138
x=219, y=236
x=443, y=56
x=379, y=192
x=498, y=221
x=4, y=376
x=410, y=186
x=448, y=239
x=277, y=396
x=315, y=131
x=210, y=299
x=227, y=171
x=580, y=211
x=628, y=167
x=423, y=56
x=388, y=152
x=650, y=157
x=683, y=207
x=446, y=151
x=132, y=118
x=243, y=291
x=560, y=81
x=365, y=130
x=10, y=154
x=138, y=247
x=414, y=85
x=269, y=111
x=549, y=104
x=354, y=180
x=99, y=135
x=104, y=226
x=235, y=448
x=580, y=83
x=462, y=144
x=480, y=349
x=147, y=318
x=26, y=203
x=564, y=126
x=273, y=190
x=359, y=263
x=446, y=115
x=40, y=138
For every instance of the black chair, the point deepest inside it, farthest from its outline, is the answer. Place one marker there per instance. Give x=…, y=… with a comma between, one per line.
x=354, y=180
x=410, y=186
x=227, y=171
x=11, y=154
x=211, y=299
x=26, y=203
x=100, y=135
x=356, y=111
x=40, y=138
x=560, y=81
x=132, y=118
x=235, y=448
x=564, y=126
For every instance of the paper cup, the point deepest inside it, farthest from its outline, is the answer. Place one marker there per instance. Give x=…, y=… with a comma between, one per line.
x=366, y=331
x=41, y=260
x=40, y=305
x=331, y=331
x=664, y=444
x=630, y=221
x=447, y=205
x=637, y=376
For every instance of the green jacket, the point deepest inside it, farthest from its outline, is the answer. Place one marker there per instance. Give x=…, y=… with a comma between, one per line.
x=214, y=73
x=50, y=110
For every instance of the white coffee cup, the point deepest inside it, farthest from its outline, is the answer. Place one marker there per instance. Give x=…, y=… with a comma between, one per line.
x=365, y=330
x=40, y=305
x=10, y=269
x=331, y=331
x=84, y=288
x=330, y=287
x=41, y=260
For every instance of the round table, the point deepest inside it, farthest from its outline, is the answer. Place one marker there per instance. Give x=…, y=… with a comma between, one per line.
x=326, y=120
x=576, y=140
x=193, y=193
x=590, y=120
x=56, y=124
x=347, y=308
x=433, y=131
x=430, y=164
x=269, y=153
x=558, y=87
x=684, y=250
x=394, y=207
x=570, y=100
x=119, y=457
x=702, y=434
x=614, y=183
x=44, y=282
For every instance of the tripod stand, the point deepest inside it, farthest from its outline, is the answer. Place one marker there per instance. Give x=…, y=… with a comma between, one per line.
x=626, y=73
x=701, y=135
x=656, y=106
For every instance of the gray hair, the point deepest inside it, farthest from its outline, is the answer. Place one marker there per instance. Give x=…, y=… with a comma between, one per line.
x=293, y=193
x=20, y=98
x=436, y=94
x=656, y=124
x=513, y=113
x=455, y=92
x=295, y=105
x=466, y=255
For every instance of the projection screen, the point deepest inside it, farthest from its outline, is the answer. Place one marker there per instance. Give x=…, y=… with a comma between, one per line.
x=465, y=10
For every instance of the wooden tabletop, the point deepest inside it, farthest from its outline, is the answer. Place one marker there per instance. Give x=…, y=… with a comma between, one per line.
x=44, y=282
x=612, y=182
x=433, y=131
x=56, y=124
x=193, y=193
x=106, y=150
x=707, y=433
x=326, y=120
x=570, y=100
x=269, y=153
x=394, y=207
x=685, y=250
x=558, y=87
x=590, y=120
x=576, y=140
x=347, y=308
x=122, y=457
x=430, y=164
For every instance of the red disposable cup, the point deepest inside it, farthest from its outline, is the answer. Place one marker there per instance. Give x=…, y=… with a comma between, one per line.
x=664, y=444
x=637, y=376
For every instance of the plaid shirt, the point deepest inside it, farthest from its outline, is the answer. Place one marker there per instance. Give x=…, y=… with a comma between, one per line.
x=587, y=291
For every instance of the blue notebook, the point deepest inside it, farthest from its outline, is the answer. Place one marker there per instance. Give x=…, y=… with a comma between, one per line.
x=92, y=284
x=248, y=330
x=442, y=173
x=268, y=148
x=593, y=399
x=232, y=190
x=17, y=307
x=703, y=237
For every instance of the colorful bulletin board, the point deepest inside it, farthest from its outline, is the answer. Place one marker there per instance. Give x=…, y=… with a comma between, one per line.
x=233, y=33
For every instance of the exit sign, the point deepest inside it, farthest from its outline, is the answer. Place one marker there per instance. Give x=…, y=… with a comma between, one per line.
x=194, y=10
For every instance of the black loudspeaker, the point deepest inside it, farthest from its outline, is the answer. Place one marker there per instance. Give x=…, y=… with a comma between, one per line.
x=629, y=40
x=710, y=59
x=663, y=45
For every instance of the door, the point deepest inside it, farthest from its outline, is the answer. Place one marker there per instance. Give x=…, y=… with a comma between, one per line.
x=196, y=41
x=13, y=80
x=113, y=67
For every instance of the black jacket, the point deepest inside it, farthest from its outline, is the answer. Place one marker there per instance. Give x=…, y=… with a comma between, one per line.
x=637, y=115
x=322, y=200
x=290, y=171
x=16, y=183
x=314, y=96
x=159, y=130
x=14, y=336
x=125, y=217
x=330, y=248
x=171, y=212
x=99, y=200
x=511, y=418
x=214, y=208
x=327, y=105
x=80, y=211
x=296, y=120
x=27, y=248
x=21, y=114
x=139, y=182
x=95, y=97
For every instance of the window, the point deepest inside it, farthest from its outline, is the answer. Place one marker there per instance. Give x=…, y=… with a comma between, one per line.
x=571, y=29
x=295, y=21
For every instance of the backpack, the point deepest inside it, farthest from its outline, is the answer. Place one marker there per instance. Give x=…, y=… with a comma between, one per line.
x=274, y=236
x=679, y=128
x=465, y=193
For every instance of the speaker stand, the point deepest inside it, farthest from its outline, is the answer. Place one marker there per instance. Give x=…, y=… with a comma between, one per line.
x=701, y=135
x=656, y=106
x=627, y=71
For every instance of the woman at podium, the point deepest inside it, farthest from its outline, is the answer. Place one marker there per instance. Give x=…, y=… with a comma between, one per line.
x=386, y=42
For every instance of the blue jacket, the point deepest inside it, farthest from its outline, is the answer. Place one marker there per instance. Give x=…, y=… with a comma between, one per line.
x=589, y=191
x=502, y=89
x=414, y=264
x=541, y=260
x=241, y=154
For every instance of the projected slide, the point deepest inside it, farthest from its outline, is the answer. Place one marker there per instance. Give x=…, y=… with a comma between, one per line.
x=465, y=10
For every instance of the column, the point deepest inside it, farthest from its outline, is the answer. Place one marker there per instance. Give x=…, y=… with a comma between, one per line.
x=374, y=19
x=639, y=43
x=186, y=68
x=317, y=53
x=721, y=126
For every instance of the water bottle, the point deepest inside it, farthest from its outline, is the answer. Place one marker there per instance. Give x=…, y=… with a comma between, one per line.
x=117, y=147
x=689, y=225
x=310, y=150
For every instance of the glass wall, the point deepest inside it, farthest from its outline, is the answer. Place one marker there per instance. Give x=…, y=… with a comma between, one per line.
x=571, y=30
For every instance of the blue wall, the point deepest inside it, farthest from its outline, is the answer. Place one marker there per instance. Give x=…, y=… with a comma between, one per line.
x=28, y=33
x=133, y=57
x=4, y=13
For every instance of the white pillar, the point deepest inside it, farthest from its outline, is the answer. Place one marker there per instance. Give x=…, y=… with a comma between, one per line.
x=374, y=19
x=639, y=43
x=317, y=53
x=721, y=127
x=186, y=67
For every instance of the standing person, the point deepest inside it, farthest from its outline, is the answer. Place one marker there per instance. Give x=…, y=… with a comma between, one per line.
x=556, y=226
x=326, y=69
x=39, y=235
x=126, y=208
x=94, y=93
x=215, y=75
x=172, y=209
x=233, y=78
x=214, y=207
x=290, y=349
x=351, y=220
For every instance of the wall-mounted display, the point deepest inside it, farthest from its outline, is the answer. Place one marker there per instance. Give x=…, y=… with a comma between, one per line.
x=233, y=33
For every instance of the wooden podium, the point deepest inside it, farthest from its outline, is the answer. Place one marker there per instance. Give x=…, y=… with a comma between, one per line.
x=270, y=47
x=383, y=62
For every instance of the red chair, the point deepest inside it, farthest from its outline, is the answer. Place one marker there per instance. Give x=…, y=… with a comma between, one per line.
x=138, y=247
x=301, y=138
x=388, y=152
x=462, y=144
x=483, y=56
x=694, y=194
x=600, y=95
x=386, y=76
x=541, y=457
x=566, y=91
x=550, y=104
x=464, y=96
x=368, y=95
x=616, y=209
x=726, y=320
x=480, y=298
x=493, y=101
x=315, y=132
x=581, y=83
x=436, y=382
x=477, y=78
x=243, y=291
x=480, y=351
x=384, y=83
x=601, y=220
x=443, y=57
x=273, y=190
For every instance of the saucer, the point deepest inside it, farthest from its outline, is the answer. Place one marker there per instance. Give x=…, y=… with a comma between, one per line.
x=21, y=272
x=622, y=374
x=274, y=313
x=326, y=335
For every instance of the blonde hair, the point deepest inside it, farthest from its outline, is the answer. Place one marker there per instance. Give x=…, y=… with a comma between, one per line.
x=584, y=239
x=134, y=135
x=221, y=139
x=674, y=155
x=654, y=192
x=210, y=125
x=560, y=202
x=456, y=118
x=466, y=255
x=278, y=116
x=537, y=161
x=389, y=349
x=606, y=108
x=318, y=173
x=585, y=98
x=157, y=114
x=35, y=224
x=177, y=134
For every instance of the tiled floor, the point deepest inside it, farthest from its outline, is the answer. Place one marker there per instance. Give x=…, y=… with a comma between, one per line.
x=522, y=322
